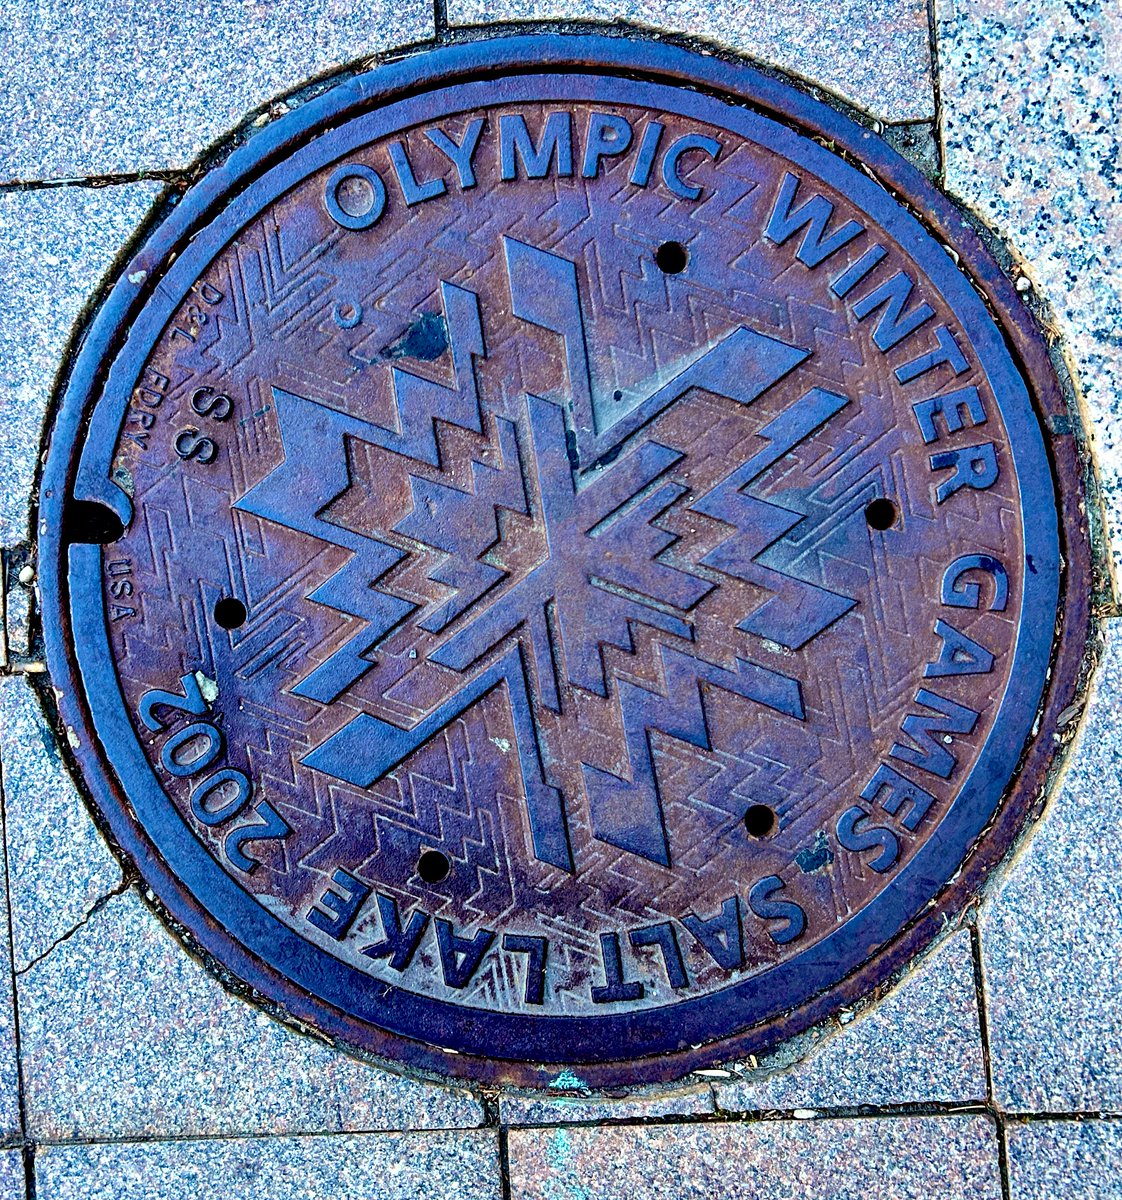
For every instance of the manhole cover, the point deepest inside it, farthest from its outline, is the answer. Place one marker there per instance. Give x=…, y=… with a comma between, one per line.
x=571, y=612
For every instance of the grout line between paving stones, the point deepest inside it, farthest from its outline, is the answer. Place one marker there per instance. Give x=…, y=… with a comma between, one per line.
x=441, y=24
x=162, y=1139
x=15, y=186
x=26, y=1146
x=504, y=1163
x=868, y=1113
x=1002, y=1157
x=4, y=660
x=934, y=1111
x=1003, y=1161
x=987, y=1061
x=1084, y=1117
x=760, y=1117
x=936, y=90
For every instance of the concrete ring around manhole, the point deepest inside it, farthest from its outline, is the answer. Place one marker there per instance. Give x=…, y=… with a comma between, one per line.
x=563, y=556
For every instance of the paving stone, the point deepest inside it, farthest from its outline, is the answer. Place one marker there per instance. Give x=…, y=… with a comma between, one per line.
x=58, y=243
x=123, y=1034
x=892, y=1158
x=523, y=1110
x=60, y=865
x=12, y=1183
x=9, y=1075
x=874, y=53
x=921, y=1044
x=1030, y=98
x=1052, y=932
x=456, y=1166
x=104, y=87
x=1076, y=1160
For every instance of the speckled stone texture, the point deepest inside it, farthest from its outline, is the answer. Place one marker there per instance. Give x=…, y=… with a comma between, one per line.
x=1031, y=95
x=454, y=1166
x=524, y=1110
x=59, y=864
x=124, y=1035
x=920, y=1045
x=101, y=87
x=12, y=1184
x=952, y=1158
x=1076, y=1160
x=57, y=244
x=9, y=1074
x=874, y=54
x=1052, y=932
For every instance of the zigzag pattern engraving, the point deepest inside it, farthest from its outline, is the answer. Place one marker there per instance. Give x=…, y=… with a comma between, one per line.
x=315, y=472
x=798, y=610
x=597, y=493
x=616, y=709
x=628, y=813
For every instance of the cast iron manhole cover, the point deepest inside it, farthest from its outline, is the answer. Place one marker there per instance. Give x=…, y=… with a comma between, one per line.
x=589, y=562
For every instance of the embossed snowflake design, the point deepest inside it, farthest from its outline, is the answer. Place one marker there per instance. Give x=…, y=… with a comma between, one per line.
x=597, y=486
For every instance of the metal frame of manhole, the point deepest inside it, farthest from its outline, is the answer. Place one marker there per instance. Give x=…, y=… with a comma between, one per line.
x=626, y=58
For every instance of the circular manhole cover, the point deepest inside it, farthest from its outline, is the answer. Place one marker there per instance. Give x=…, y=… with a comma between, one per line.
x=585, y=569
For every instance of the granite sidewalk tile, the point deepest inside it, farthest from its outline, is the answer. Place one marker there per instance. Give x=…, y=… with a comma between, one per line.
x=9, y=1074
x=876, y=55
x=922, y=1044
x=58, y=243
x=1052, y=931
x=892, y=1158
x=13, y=1186
x=59, y=864
x=526, y=1110
x=1076, y=1160
x=1030, y=100
x=454, y=1166
x=123, y=1034
x=105, y=87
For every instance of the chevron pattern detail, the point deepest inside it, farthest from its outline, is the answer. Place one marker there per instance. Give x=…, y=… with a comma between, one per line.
x=599, y=489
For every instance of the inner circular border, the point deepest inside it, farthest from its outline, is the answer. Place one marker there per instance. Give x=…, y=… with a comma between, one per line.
x=577, y=1040
x=73, y=597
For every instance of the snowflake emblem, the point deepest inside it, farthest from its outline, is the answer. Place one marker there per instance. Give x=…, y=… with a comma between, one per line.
x=598, y=493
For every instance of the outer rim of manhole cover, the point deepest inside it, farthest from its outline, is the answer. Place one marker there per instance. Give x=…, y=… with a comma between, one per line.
x=629, y=58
